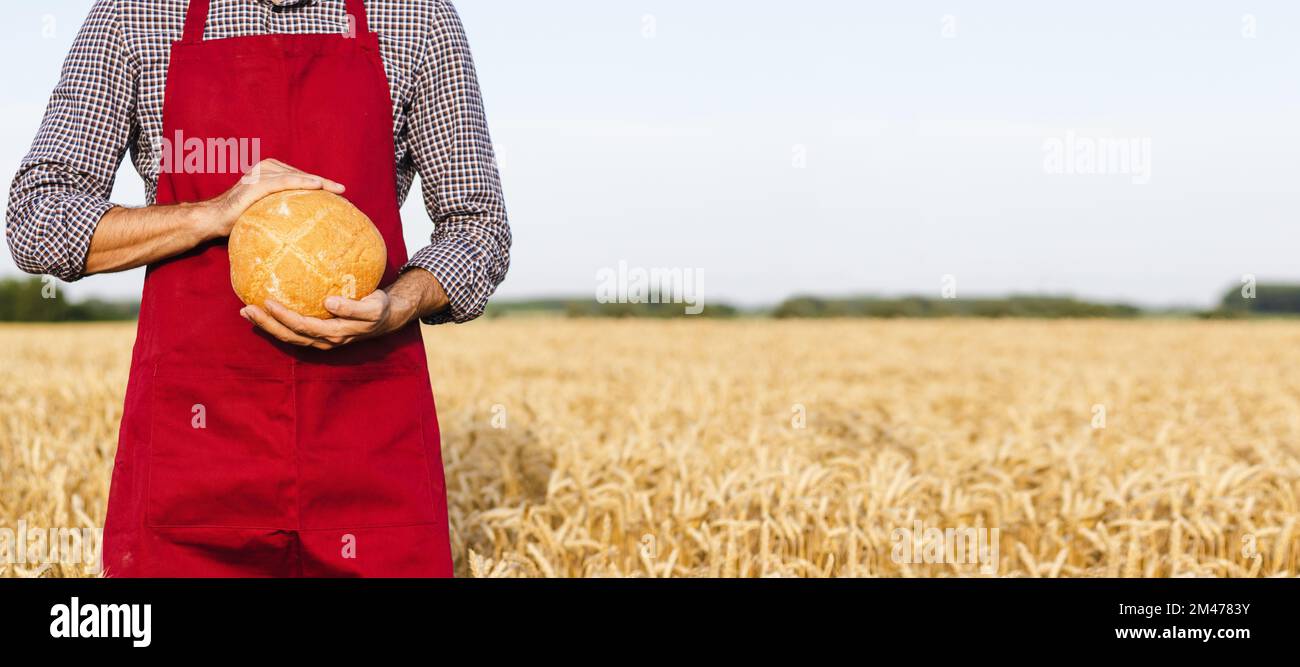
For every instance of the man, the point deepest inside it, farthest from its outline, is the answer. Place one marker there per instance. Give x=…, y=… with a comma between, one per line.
x=257, y=442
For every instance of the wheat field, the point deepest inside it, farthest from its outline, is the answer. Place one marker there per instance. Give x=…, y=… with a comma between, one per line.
x=783, y=448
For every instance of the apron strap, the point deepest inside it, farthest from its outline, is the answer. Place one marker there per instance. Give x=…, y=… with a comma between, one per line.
x=196, y=18
x=357, y=10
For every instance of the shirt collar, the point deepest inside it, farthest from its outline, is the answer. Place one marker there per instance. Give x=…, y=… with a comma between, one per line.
x=289, y=3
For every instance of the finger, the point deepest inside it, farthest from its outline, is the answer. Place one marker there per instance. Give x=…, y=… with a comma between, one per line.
x=326, y=184
x=297, y=180
x=266, y=171
x=293, y=180
x=274, y=327
x=266, y=184
x=310, y=327
x=278, y=183
x=334, y=331
x=369, y=309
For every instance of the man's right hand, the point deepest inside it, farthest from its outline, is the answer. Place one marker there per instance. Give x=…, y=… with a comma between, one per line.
x=126, y=238
x=265, y=178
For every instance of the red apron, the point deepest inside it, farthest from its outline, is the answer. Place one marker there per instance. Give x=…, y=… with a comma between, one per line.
x=239, y=455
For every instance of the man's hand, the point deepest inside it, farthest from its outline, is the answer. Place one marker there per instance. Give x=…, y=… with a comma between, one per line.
x=265, y=178
x=126, y=238
x=413, y=295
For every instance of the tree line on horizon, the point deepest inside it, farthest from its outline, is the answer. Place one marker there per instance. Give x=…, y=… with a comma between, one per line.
x=25, y=300
x=29, y=300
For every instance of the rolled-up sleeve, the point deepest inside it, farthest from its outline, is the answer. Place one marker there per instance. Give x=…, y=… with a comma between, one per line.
x=469, y=252
x=63, y=184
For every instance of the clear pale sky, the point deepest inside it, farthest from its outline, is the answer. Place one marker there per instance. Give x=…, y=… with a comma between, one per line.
x=671, y=141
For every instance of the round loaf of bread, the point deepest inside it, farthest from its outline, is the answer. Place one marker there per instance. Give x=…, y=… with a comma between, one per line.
x=299, y=246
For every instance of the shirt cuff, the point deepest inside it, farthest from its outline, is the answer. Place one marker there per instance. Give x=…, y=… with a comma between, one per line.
x=63, y=228
x=455, y=268
x=88, y=210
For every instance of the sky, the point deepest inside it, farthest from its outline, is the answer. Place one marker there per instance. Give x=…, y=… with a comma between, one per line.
x=867, y=147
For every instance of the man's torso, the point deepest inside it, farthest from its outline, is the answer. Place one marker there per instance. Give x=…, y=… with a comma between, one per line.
x=149, y=27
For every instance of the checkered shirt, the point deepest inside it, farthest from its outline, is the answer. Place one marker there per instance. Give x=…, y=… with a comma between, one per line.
x=109, y=100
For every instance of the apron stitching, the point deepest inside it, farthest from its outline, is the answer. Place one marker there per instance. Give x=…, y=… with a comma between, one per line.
x=147, y=459
x=428, y=466
x=273, y=529
x=297, y=444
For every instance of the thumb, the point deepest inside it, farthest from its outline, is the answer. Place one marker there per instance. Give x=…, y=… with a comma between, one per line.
x=369, y=308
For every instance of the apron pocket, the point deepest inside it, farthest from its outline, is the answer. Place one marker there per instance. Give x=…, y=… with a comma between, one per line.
x=222, y=453
x=362, y=454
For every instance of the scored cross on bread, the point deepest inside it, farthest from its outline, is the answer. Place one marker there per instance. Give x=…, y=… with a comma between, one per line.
x=300, y=246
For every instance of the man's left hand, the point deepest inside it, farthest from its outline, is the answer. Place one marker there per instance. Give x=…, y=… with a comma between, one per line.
x=415, y=294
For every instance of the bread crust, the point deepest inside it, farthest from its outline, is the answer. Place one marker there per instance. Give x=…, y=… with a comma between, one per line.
x=300, y=246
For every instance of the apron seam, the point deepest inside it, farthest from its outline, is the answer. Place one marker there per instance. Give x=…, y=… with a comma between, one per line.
x=147, y=459
x=297, y=567
x=297, y=445
x=272, y=529
x=428, y=469
x=424, y=449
